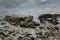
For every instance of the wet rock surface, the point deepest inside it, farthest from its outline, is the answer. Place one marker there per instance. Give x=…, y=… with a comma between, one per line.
x=51, y=18
x=24, y=28
x=22, y=21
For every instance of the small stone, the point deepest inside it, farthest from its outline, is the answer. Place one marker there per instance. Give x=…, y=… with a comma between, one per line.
x=28, y=35
x=32, y=38
x=0, y=39
x=56, y=28
x=30, y=25
x=3, y=23
x=41, y=27
x=48, y=27
x=50, y=20
x=20, y=38
x=36, y=24
x=1, y=20
x=47, y=34
x=40, y=33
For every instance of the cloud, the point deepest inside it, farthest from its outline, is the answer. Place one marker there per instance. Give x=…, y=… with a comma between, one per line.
x=31, y=2
x=43, y=0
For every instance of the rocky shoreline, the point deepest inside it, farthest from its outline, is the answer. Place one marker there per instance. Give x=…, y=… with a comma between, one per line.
x=24, y=28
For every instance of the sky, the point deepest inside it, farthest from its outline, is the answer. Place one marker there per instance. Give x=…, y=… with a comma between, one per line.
x=29, y=7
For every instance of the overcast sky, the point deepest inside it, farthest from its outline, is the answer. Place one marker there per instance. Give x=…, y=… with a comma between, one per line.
x=29, y=7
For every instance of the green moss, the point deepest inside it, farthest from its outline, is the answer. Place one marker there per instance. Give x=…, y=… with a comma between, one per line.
x=29, y=19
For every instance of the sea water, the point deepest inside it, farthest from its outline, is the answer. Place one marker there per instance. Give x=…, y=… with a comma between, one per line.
x=29, y=7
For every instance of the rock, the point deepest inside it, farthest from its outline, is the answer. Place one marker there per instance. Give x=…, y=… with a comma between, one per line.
x=58, y=20
x=41, y=27
x=30, y=25
x=14, y=20
x=44, y=16
x=46, y=34
x=22, y=21
x=1, y=19
x=20, y=38
x=48, y=27
x=7, y=18
x=32, y=38
x=51, y=18
x=22, y=24
x=39, y=33
x=56, y=15
x=28, y=35
x=56, y=28
x=3, y=23
x=36, y=24
x=28, y=19
x=2, y=33
x=0, y=39
x=13, y=23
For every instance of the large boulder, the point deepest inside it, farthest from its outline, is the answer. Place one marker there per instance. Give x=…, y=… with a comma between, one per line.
x=22, y=21
x=44, y=17
x=14, y=20
x=51, y=18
